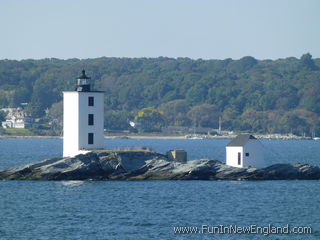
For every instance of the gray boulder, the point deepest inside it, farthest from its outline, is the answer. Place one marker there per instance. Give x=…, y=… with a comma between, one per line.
x=140, y=165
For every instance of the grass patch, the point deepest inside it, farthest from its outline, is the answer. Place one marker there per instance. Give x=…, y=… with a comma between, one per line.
x=18, y=131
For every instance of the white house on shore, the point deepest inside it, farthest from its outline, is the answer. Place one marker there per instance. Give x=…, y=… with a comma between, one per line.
x=16, y=118
x=82, y=118
x=245, y=151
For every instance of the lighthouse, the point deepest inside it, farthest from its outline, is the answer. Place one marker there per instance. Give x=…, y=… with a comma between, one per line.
x=82, y=118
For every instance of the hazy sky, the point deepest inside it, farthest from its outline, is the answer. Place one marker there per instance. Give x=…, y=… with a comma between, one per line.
x=208, y=29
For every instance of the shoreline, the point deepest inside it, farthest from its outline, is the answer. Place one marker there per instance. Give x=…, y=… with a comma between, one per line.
x=169, y=137
x=35, y=136
x=106, y=137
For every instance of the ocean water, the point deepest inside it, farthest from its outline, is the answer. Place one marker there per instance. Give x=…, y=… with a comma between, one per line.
x=152, y=209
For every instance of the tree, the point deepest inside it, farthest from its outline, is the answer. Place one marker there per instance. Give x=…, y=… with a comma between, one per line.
x=55, y=115
x=175, y=112
x=270, y=88
x=20, y=95
x=204, y=115
x=243, y=64
x=307, y=62
x=150, y=119
x=2, y=116
x=310, y=99
x=228, y=117
x=294, y=124
x=253, y=121
x=196, y=94
x=4, y=102
x=116, y=120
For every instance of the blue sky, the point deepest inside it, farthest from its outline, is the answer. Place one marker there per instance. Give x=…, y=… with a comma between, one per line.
x=207, y=29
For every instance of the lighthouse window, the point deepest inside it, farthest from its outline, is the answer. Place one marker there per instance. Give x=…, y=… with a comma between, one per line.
x=239, y=158
x=247, y=154
x=90, y=119
x=90, y=138
x=91, y=101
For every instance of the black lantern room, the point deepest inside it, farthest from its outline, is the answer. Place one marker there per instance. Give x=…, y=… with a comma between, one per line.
x=83, y=84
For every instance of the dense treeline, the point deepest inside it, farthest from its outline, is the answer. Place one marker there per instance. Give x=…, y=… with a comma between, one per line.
x=251, y=95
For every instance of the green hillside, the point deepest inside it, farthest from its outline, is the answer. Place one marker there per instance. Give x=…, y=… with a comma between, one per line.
x=267, y=96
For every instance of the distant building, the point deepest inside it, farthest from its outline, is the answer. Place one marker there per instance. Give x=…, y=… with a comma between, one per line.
x=16, y=118
x=134, y=124
x=82, y=119
x=245, y=151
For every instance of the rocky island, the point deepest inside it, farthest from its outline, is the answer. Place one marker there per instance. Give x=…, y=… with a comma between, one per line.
x=149, y=165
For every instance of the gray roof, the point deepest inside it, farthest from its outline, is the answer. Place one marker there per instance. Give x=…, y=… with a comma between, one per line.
x=240, y=140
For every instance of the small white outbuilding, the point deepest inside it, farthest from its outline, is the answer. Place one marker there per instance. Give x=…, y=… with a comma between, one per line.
x=245, y=151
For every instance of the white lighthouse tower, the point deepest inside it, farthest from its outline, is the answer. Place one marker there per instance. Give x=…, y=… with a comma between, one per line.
x=82, y=118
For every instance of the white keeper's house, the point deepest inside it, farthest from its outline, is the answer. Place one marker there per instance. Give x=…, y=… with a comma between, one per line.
x=245, y=151
x=82, y=118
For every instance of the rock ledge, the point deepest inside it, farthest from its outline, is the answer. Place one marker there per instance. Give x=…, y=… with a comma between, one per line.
x=140, y=165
